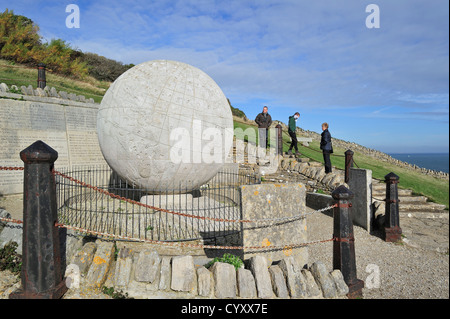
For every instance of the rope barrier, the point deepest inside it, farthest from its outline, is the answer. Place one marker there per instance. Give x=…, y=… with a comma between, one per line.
x=178, y=244
x=102, y=191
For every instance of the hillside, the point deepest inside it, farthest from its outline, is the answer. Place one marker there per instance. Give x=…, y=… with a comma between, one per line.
x=423, y=182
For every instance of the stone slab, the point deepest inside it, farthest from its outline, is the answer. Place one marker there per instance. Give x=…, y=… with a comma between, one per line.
x=278, y=281
x=360, y=183
x=295, y=282
x=259, y=268
x=205, y=282
x=265, y=201
x=101, y=264
x=123, y=267
x=184, y=277
x=83, y=257
x=147, y=266
x=68, y=128
x=324, y=280
x=224, y=280
x=246, y=283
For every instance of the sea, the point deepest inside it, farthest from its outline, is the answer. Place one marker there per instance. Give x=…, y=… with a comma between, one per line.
x=434, y=161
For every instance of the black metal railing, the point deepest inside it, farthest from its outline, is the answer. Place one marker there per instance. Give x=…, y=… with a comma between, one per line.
x=97, y=199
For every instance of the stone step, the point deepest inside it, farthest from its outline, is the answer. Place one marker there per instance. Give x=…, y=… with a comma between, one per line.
x=412, y=199
x=439, y=214
x=417, y=207
x=401, y=192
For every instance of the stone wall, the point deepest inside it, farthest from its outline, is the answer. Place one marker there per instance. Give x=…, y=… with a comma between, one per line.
x=66, y=122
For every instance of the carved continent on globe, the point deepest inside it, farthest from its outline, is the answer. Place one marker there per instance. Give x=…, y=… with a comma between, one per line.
x=145, y=106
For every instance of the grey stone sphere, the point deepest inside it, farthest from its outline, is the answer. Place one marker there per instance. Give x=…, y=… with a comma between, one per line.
x=165, y=125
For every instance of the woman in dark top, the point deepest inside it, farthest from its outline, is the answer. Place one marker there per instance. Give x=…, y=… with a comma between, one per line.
x=326, y=147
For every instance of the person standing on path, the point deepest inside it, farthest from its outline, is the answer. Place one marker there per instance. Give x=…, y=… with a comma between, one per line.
x=326, y=147
x=264, y=120
x=291, y=130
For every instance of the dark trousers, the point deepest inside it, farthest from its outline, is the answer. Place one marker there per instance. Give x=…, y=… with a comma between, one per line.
x=294, y=141
x=326, y=159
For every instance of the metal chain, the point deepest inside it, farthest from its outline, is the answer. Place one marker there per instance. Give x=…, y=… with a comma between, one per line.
x=258, y=221
x=280, y=219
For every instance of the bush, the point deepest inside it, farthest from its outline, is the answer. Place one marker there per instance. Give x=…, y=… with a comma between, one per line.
x=102, y=68
x=227, y=258
x=9, y=259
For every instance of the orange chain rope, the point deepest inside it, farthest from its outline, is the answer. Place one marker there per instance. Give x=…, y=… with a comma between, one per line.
x=291, y=246
x=100, y=190
x=180, y=244
x=3, y=168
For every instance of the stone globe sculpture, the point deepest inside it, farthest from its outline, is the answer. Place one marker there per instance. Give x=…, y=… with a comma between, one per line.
x=165, y=125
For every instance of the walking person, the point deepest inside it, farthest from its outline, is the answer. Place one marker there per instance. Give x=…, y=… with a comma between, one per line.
x=326, y=147
x=292, y=126
x=264, y=120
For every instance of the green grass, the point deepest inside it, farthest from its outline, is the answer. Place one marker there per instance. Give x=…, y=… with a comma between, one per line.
x=20, y=75
x=437, y=190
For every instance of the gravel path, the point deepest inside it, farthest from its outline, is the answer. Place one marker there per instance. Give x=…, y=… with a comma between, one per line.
x=419, y=269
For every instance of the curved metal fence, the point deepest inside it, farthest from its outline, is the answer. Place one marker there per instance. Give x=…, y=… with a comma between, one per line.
x=96, y=198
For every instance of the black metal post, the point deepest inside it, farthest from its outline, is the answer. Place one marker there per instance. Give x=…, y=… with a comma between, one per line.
x=392, y=230
x=344, y=242
x=41, y=82
x=42, y=274
x=279, y=139
x=348, y=164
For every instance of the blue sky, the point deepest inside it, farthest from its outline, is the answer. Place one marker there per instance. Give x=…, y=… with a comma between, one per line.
x=385, y=88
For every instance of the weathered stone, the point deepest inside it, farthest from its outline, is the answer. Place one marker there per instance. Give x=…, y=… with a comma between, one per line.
x=224, y=280
x=53, y=92
x=30, y=90
x=83, y=257
x=265, y=201
x=165, y=273
x=296, y=284
x=147, y=266
x=246, y=283
x=3, y=214
x=63, y=95
x=341, y=286
x=101, y=264
x=324, y=279
x=259, y=269
x=3, y=88
x=312, y=289
x=12, y=232
x=40, y=92
x=183, y=274
x=278, y=281
x=205, y=282
x=123, y=268
x=72, y=244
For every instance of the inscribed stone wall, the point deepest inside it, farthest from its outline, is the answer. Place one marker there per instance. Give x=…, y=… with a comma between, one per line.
x=67, y=126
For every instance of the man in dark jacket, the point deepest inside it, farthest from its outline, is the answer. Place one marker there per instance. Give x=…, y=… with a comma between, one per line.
x=292, y=127
x=326, y=147
x=264, y=120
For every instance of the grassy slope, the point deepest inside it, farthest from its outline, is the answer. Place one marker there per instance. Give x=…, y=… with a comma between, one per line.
x=435, y=189
x=21, y=75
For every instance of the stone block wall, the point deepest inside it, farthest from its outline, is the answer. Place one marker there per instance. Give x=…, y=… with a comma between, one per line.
x=66, y=122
